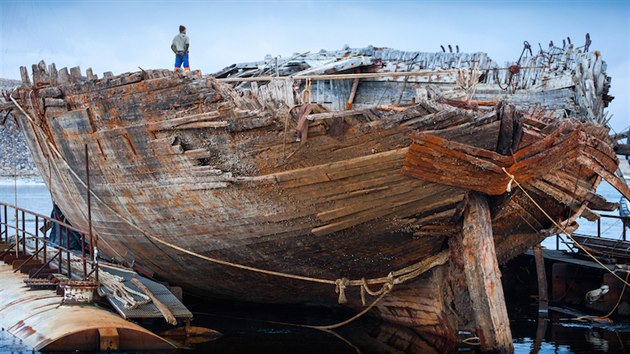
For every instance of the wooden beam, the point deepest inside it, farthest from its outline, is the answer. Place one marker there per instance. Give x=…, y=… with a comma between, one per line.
x=622, y=149
x=353, y=92
x=624, y=135
x=436, y=73
x=614, y=181
x=475, y=250
x=543, y=300
x=433, y=158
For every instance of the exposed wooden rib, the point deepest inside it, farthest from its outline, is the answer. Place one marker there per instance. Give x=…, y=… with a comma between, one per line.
x=411, y=206
x=26, y=81
x=171, y=123
x=615, y=181
x=438, y=230
x=430, y=156
x=580, y=189
x=203, y=125
x=330, y=115
x=564, y=198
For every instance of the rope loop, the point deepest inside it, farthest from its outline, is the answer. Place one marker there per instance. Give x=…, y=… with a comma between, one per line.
x=472, y=341
x=562, y=229
x=307, y=92
x=340, y=288
x=512, y=179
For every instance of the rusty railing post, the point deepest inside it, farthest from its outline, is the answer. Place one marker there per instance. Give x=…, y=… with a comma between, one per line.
x=17, y=233
x=23, y=232
x=541, y=276
x=557, y=242
x=36, y=233
x=2, y=221
x=68, y=252
x=89, y=210
x=6, y=225
x=45, y=245
x=59, y=245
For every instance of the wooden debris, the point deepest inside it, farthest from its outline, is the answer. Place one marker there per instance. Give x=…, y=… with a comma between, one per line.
x=168, y=315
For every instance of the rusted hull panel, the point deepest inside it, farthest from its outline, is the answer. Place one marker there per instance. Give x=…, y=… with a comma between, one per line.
x=187, y=170
x=39, y=318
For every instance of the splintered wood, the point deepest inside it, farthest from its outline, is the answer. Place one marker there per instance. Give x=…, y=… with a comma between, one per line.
x=435, y=159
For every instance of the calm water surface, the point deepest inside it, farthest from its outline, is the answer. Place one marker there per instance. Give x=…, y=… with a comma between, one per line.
x=247, y=328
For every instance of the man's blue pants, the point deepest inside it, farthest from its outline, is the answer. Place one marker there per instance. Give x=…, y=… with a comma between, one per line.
x=182, y=59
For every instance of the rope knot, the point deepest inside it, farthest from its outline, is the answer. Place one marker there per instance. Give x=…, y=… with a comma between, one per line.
x=391, y=279
x=509, y=185
x=340, y=288
x=387, y=287
x=364, y=289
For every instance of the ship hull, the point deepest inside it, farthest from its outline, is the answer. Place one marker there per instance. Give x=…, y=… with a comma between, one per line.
x=271, y=194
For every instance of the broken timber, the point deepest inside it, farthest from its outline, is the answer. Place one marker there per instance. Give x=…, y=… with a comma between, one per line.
x=475, y=249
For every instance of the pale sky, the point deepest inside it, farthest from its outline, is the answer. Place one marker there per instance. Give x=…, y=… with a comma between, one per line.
x=120, y=36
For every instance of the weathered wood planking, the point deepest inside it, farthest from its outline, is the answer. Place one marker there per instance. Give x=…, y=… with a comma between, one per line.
x=218, y=170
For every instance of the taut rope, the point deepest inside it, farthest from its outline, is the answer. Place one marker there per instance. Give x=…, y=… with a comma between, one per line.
x=560, y=227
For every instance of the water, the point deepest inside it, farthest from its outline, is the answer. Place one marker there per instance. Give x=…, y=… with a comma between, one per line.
x=246, y=328
x=31, y=195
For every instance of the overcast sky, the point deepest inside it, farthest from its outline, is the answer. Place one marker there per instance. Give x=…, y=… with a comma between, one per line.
x=120, y=36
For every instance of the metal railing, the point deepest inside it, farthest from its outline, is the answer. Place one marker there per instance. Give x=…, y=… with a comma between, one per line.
x=36, y=246
x=625, y=221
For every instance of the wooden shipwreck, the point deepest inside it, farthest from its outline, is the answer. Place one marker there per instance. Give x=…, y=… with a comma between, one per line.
x=342, y=176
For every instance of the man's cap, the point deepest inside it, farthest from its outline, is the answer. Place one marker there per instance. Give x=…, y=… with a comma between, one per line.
x=182, y=28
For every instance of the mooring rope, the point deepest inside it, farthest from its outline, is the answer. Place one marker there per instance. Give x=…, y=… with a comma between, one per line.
x=115, y=285
x=560, y=227
x=623, y=290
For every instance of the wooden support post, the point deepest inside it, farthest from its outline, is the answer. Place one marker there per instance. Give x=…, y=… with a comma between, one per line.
x=353, y=92
x=482, y=276
x=166, y=312
x=541, y=330
x=108, y=339
x=543, y=299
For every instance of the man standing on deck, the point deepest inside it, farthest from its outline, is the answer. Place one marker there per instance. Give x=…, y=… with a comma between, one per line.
x=180, y=48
